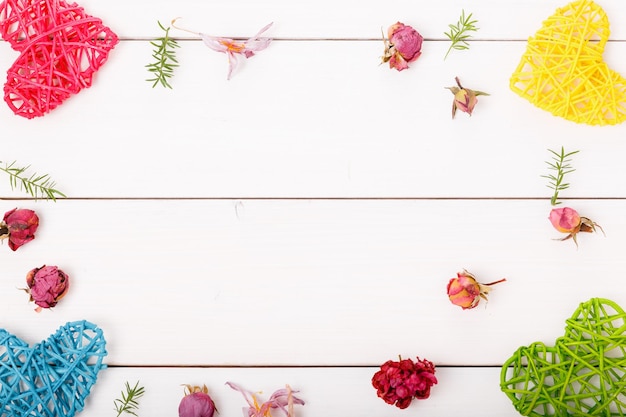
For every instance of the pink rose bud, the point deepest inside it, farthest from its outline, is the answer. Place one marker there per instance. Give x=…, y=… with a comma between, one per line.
x=196, y=403
x=464, y=291
x=567, y=220
x=46, y=286
x=19, y=226
x=464, y=98
x=404, y=45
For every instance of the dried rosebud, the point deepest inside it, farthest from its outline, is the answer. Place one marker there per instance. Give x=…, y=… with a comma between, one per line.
x=464, y=98
x=466, y=292
x=404, y=45
x=398, y=382
x=46, y=286
x=196, y=402
x=567, y=220
x=19, y=226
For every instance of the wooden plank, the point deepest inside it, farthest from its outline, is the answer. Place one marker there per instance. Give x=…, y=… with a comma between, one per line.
x=311, y=282
x=337, y=19
x=330, y=123
x=326, y=391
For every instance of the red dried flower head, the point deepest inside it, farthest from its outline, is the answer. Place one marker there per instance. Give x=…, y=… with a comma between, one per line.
x=19, y=226
x=399, y=382
x=46, y=286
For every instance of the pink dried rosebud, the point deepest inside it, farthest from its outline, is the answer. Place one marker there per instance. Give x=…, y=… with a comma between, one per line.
x=46, y=286
x=19, y=226
x=567, y=220
x=196, y=402
x=399, y=382
x=464, y=98
x=404, y=45
x=466, y=292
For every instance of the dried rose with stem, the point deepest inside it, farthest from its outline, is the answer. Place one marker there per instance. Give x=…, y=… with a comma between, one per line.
x=46, y=286
x=464, y=98
x=19, y=227
x=567, y=220
x=466, y=292
x=403, y=44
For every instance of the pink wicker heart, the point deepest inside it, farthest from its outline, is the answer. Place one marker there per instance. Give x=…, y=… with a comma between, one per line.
x=61, y=47
x=52, y=378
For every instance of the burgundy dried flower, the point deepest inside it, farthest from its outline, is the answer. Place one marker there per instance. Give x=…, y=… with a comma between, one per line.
x=399, y=382
x=46, y=286
x=196, y=402
x=19, y=226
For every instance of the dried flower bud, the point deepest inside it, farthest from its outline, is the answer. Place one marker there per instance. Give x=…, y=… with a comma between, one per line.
x=398, y=382
x=464, y=98
x=19, y=226
x=196, y=402
x=464, y=291
x=404, y=45
x=46, y=286
x=567, y=220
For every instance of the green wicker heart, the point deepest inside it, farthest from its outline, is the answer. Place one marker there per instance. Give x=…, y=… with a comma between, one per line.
x=583, y=374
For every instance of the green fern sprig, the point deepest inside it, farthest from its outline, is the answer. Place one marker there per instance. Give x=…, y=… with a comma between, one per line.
x=561, y=164
x=36, y=185
x=128, y=403
x=165, y=59
x=460, y=33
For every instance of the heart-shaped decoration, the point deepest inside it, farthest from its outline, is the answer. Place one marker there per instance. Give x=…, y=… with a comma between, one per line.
x=583, y=374
x=53, y=377
x=563, y=71
x=61, y=47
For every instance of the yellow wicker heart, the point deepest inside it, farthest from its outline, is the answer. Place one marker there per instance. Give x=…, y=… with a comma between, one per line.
x=563, y=71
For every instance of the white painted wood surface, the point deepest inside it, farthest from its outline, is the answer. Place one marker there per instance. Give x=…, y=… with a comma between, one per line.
x=299, y=223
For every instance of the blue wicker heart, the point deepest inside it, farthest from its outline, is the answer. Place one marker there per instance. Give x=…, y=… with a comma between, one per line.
x=52, y=378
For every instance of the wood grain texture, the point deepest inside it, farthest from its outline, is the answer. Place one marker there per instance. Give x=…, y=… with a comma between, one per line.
x=299, y=223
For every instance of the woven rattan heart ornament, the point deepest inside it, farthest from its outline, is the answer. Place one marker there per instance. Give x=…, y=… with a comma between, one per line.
x=60, y=48
x=563, y=71
x=583, y=374
x=52, y=378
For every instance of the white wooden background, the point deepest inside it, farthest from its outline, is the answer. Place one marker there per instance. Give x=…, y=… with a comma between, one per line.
x=299, y=223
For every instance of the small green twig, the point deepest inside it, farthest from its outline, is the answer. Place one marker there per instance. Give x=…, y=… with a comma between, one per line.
x=561, y=164
x=459, y=33
x=128, y=403
x=36, y=185
x=164, y=55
